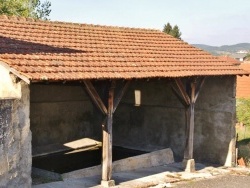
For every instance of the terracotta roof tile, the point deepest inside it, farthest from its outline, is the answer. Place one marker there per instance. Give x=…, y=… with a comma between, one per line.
x=43, y=50
x=230, y=59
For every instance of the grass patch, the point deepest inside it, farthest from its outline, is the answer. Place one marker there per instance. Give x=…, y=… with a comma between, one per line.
x=244, y=143
x=243, y=133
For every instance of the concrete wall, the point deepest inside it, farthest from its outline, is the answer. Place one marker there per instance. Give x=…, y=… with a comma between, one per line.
x=160, y=121
x=153, y=125
x=15, y=141
x=61, y=113
x=215, y=120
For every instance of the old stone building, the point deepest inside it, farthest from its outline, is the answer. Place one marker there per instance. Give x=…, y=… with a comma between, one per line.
x=62, y=82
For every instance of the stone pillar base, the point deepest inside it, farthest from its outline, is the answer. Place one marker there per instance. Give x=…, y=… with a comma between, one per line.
x=188, y=165
x=108, y=183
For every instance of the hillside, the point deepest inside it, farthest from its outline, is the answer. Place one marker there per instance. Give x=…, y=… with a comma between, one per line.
x=225, y=49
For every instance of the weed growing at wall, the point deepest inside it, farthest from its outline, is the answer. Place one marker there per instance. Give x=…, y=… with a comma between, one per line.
x=243, y=116
x=244, y=150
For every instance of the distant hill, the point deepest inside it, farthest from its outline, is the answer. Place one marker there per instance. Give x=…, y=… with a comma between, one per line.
x=225, y=49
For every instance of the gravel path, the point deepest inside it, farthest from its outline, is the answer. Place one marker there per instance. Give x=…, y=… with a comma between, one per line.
x=226, y=181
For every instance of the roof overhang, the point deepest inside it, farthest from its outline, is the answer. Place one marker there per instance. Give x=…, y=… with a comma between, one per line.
x=15, y=72
x=10, y=86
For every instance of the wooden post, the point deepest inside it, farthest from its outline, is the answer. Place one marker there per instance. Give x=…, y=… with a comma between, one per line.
x=188, y=153
x=188, y=100
x=187, y=118
x=113, y=103
x=188, y=161
x=107, y=142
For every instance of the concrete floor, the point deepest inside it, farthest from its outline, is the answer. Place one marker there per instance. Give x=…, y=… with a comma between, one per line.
x=161, y=176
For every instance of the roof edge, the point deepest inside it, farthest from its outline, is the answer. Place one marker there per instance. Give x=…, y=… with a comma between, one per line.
x=29, y=19
x=15, y=72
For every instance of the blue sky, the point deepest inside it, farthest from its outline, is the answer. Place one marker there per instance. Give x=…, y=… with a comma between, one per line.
x=212, y=22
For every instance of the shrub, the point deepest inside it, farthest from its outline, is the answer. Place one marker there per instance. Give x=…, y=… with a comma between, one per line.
x=243, y=111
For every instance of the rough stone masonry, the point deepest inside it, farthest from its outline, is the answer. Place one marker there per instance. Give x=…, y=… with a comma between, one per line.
x=15, y=138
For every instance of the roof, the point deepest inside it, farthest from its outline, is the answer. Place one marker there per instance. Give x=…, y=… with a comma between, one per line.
x=229, y=59
x=243, y=83
x=54, y=51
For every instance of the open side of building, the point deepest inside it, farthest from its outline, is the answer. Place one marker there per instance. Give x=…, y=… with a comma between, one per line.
x=66, y=82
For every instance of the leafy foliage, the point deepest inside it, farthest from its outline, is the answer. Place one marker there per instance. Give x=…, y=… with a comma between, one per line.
x=244, y=150
x=247, y=57
x=41, y=10
x=243, y=111
x=167, y=28
x=26, y=8
x=14, y=7
x=174, y=31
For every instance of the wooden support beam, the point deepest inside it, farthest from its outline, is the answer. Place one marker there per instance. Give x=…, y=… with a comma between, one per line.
x=183, y=102
x=95, y=97
x=182, y=90
x=188, y=99
x=113, y=103
x=198, y=88
x=107, y=139
x=118, y=98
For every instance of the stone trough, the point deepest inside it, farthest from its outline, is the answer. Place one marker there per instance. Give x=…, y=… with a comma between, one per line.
x=156, y=158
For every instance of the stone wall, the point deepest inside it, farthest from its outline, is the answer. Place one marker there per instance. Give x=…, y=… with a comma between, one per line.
x=61, y=113
x=160, y=121
x=15, y=141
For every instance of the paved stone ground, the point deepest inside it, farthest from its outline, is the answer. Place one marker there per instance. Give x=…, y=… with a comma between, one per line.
x=170, y=175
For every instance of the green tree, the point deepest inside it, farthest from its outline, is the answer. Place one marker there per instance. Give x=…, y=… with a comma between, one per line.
x=243, y=111
x=167, y=28
x=41, y=10
x=174, y=31
x=26, y=8
x=247, y=57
